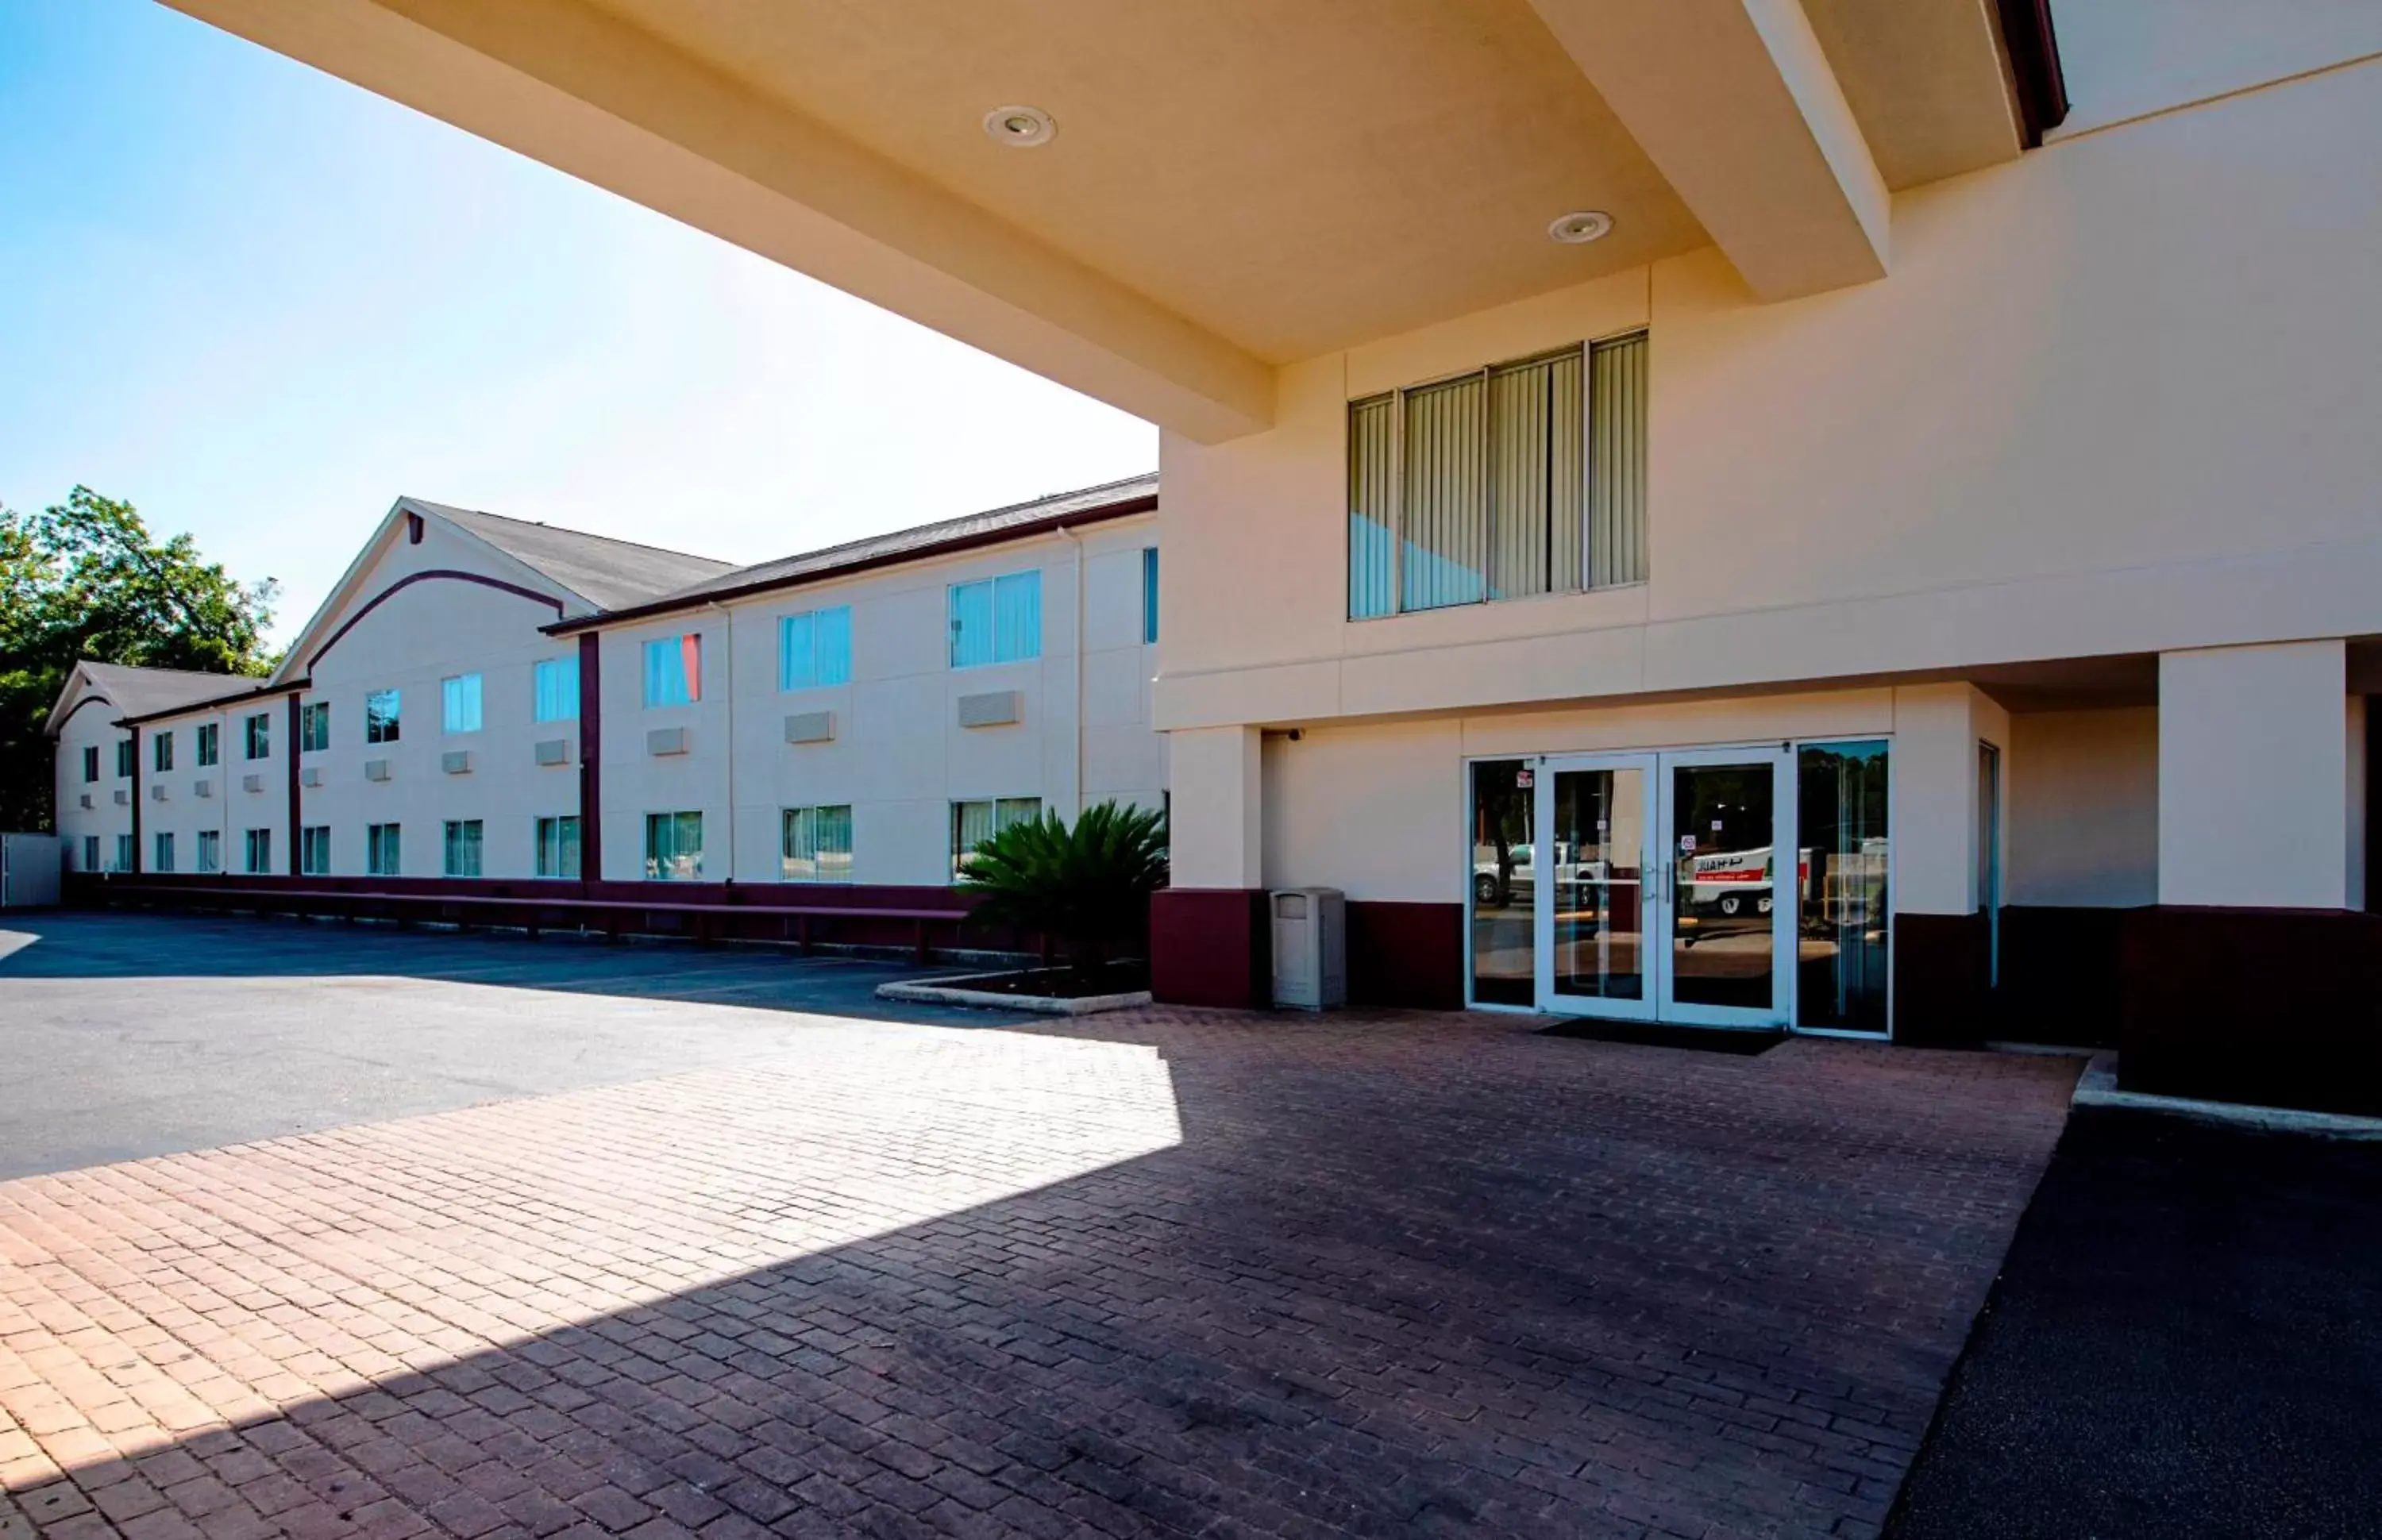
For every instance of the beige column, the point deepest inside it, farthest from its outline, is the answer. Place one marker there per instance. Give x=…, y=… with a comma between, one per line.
x=1218, y=805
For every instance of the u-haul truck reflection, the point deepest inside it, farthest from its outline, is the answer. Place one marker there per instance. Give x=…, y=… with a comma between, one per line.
x=1728, y=882
x=1733, y=883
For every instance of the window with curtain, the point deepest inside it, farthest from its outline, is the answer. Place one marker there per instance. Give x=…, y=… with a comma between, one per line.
x=1523, y=479
x=460, y=704
x=817, y=844
x=260, y=852
x=91, y=763
x=1148, y=595
x=90, y=852
x=382, y=716
x=163, y=856
x=814, y=648
x=463, y=847
x=314, y=726
x=315, y=851
x=554, y=686
x=674, y=670
x=973, y=823
x=384, y=853
x=997, y=620
x=557, y=845
x=124, y=853
x=207, y=744
x=209, y=850
x=162, y=751
x=674, y=846
x=124, y=757
x=257, y=731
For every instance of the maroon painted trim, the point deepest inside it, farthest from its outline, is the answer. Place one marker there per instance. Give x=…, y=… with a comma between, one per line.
x=1146, y=503
x=138, y=861
x=290, y=755
x=1210, y=946
x=591, y=757
x=1406, y=955
x=2034, y=49
x=1943, y=972
x=409, y=581
x=93, y=699
x=258, y=689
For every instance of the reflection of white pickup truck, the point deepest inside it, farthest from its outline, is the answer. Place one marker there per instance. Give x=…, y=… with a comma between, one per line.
x=1520, y=881
x=1730, y=882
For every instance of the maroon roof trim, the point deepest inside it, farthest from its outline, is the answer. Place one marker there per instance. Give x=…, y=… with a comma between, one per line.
x=976, y=540
x=2034, y=49
x=409, y=581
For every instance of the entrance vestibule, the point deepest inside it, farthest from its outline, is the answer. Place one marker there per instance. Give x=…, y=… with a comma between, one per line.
x=1652, y=885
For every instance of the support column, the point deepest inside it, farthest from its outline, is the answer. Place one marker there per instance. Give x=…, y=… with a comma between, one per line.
x=2254, y=978
x=1209, y=941
x=1943, y=934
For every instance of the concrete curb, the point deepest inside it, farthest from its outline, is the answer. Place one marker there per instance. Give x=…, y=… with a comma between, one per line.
x=985, y=1000
x=2098, y=1087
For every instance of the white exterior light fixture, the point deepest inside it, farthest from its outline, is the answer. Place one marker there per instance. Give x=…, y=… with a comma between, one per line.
x=1579, y=230
x=1020, y=128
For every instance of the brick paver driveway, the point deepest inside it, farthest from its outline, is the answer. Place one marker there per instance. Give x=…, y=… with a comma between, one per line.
x=1168, y=1273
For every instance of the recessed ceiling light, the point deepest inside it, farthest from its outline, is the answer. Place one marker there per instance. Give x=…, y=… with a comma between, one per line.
x=1579, y=230
x=1020, y=128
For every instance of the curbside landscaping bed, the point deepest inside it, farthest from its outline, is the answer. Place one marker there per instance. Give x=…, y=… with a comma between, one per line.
x=1043, y=991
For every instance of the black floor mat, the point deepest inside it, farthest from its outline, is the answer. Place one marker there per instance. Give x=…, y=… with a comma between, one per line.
x=1659, y=1034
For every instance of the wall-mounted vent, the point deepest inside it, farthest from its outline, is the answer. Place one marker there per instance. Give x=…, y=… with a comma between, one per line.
x=157, y=792
x=375, y=769
x=252, y=783
x=455, y=762
x=994, y=708
x=203, y=786
x=811, y=727
x=123, y=798
x=310, y=776
x=554, y=750
x=661, y=742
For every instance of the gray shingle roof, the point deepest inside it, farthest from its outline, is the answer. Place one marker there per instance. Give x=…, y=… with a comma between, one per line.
x=138, y=691
x=608, y=573
x=920, y=540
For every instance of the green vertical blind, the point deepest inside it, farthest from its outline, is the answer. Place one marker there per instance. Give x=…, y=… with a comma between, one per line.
x=1525, y=478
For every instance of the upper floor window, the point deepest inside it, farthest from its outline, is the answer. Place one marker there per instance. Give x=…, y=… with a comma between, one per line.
x=814, y=648
x=1521, y=479
x=382, y=716
x=208, y=744
x=459, y=700
x=161, y=750
x=997, y=620
x=1148, y=595
x=674, y=670
x=124, y=756
x=554, y=689
x=258, y=731
x=91, y=763
x=314, y=726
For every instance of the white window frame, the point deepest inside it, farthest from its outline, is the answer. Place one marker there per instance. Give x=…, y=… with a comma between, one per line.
x=563, y=673
x=1008, y=642
x=819, y=676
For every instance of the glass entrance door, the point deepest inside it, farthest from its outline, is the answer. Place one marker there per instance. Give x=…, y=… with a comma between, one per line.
x=1596, y=822
x=1652, y=883
x=1728, y=835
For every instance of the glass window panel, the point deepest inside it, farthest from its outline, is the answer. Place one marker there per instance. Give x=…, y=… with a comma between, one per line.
x=209, y=850
x=1373, y=507
x=1616, y=516
x=1723, y=947
x=674, y=846
x=1597, y=870
x=163, y=856
x=382, y=724
x=384, y=853
x=554, y=683
x=208, y=744
x=460, y=703
x=463, y=847
x=674, y=670
x=124, y=853
x=163, y=754
x=260, y=852
x=1017, y=617
x=818, y=844
x=1148, y=595
x=971, y=624
x=1841, y=925
x=1443, y=548
x=970, y=826
x=91, y=763
x=1505, y=940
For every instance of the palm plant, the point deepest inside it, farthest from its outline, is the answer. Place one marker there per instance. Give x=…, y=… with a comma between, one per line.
x=1087, y=886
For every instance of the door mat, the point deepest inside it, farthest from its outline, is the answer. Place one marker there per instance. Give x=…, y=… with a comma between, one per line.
x=1660, y=1034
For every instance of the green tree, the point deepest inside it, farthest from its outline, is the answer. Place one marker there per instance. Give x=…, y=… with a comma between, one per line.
x=1088, y=886
x=86, y=579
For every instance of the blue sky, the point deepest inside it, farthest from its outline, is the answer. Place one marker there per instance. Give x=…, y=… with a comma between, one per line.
x=262, y=303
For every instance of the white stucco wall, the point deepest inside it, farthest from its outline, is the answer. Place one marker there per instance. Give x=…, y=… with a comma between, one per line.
x=2083, y=826
x=2042, y=436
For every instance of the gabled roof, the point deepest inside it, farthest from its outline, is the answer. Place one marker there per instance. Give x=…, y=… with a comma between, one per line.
x=608, y=573
x=149, y=692
x=1065, y=509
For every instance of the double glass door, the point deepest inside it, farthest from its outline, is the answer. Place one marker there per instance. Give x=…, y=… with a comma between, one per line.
x=1650, y=884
